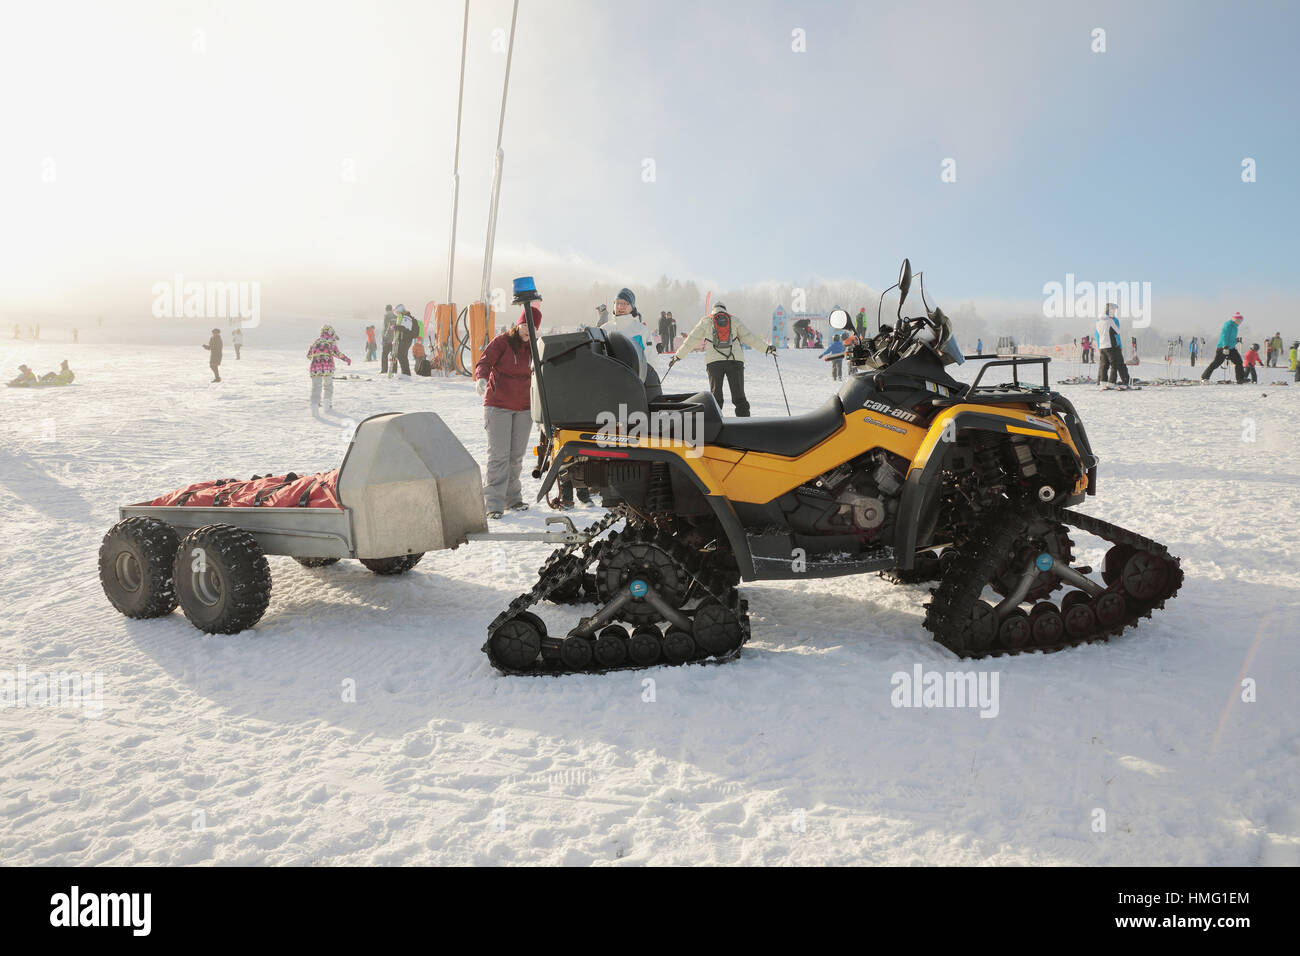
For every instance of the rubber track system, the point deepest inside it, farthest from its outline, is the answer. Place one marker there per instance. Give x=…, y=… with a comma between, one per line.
x=719, y=617
x=1140, y=577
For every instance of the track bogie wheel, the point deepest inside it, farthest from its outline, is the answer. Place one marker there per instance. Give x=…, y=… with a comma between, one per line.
x=577, y=652
x=1014, y=631
x=715, y=629
x=679, y=646
x=611, y=647
x=1080, y=621
x=1144, y=576
x=645, y=646
x=517, y=642
x=1046, y=625
x=1110, y=609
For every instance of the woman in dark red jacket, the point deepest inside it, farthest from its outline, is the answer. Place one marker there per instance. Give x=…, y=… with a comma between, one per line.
x=503, y=377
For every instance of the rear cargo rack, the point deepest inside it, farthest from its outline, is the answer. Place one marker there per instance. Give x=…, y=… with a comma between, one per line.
x=1015, y=364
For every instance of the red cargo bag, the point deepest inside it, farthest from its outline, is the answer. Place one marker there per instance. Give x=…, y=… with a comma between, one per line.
x=269, y=491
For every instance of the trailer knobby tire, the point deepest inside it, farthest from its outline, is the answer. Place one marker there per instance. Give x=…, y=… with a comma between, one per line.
x=222, y=579
x=135, y=567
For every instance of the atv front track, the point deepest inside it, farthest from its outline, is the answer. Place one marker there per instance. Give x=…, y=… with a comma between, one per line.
x=1139, y=574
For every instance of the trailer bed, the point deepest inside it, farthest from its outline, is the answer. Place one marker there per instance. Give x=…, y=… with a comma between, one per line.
x=297, y=532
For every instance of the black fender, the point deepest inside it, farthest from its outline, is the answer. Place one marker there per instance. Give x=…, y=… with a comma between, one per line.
x=721, y=505
x=921, y=488
x=1064, y=408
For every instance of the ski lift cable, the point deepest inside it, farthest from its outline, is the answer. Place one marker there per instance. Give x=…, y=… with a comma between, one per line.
x=498, y=162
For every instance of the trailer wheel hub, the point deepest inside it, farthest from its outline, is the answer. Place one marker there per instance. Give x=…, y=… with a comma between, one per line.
x=128, y=572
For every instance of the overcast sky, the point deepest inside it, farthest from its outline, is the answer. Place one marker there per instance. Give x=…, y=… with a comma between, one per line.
x=280, y=141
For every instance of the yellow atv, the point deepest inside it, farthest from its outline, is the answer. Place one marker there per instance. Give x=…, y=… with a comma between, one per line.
x=906, y=471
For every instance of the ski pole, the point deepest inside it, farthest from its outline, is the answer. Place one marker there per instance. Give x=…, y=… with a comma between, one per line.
x=778, y=378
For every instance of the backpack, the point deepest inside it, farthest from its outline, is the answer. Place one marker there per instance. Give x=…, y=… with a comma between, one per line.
x=721, y=329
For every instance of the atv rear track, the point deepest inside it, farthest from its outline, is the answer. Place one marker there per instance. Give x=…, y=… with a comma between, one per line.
x=679, y=611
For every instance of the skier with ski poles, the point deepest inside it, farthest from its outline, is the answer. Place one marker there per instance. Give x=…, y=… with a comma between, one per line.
x=724, y=339
x=1227, y=350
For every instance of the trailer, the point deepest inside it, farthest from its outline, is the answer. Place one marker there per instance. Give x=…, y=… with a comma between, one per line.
x=406, y=486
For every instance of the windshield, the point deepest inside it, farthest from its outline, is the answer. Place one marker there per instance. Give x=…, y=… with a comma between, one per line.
x=952, y=351
x=947, y=346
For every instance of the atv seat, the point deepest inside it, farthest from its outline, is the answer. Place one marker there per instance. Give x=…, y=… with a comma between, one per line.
x=787, y=437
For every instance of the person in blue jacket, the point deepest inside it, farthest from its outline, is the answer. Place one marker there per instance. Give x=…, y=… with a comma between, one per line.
x=836, y=352
x=1227, y=350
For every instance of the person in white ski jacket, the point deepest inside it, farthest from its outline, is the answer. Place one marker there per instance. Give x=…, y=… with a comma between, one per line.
x=724, y=339
x=1110, y=346
x=626, y=319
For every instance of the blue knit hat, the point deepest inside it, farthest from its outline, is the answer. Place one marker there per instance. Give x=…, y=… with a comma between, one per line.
x=628, y=296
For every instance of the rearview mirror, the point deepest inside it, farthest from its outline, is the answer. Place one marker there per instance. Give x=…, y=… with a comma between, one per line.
x=904, y=283
x=839, y=319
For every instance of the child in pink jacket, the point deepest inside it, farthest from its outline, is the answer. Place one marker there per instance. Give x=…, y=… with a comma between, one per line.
x=322, y=354
x=1252, y=359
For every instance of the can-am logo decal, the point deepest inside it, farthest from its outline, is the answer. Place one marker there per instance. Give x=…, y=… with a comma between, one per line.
x=1040, y=421
x=608, y=439
x=889, y=410
x=893, y=428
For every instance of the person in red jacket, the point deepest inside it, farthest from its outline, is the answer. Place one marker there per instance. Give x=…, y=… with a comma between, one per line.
x=503, y=376
x=1252, y=359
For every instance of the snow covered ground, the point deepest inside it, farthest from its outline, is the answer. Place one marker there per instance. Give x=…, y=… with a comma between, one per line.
x=241, y=749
